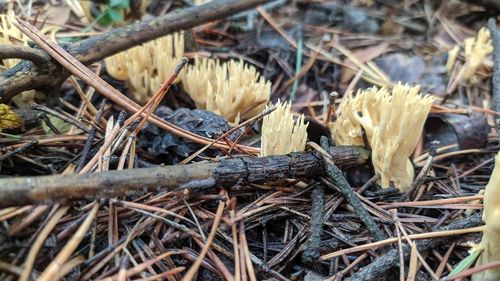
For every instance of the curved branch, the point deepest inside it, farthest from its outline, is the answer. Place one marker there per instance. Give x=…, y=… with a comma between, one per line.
x=22, y=52
x=97, y=48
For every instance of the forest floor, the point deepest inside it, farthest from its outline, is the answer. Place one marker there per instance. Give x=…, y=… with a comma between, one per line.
x=163, y=162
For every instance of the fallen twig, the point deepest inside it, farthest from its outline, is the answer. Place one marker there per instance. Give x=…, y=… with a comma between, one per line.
x=312, y=251
x=335, y=175
x=227, y=173
x=382, y=264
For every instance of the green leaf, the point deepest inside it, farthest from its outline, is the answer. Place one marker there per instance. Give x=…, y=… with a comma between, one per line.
x=465, y=263
x=59, y=124
x=115, y=14
x=110, y=16
x=120, y=4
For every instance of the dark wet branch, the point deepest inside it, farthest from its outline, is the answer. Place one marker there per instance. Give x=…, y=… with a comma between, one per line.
x=200, y=176
x=382, y=264
x=22, y=52
x=336, y=178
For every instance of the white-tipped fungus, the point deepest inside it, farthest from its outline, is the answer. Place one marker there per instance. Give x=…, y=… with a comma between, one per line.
x=145, y=68
x=233, y=89
x=490, y=243
x=281, y=134
x=392, y=124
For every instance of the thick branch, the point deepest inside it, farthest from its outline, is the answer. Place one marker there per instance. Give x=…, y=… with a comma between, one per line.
x=239, y=171
x=97, y=48
x=22, y=52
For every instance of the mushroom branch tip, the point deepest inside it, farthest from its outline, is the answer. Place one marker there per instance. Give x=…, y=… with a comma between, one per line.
x=147, y=66
x=281, y=134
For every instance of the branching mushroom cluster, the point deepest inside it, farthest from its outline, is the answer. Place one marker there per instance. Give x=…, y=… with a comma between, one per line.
x=392, y=124
x=233, y=89
x=146, y=67
x=281, y=134
x=476, y=49
x=490, y=243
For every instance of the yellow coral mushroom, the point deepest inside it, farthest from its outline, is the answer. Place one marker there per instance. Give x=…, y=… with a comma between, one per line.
x=233, y=89
x=196, y=80
x=490, y=244
x=281, y=134
x=9, y=32
x=476, y=49
x=146, y=67
x=347, y=129
x=392, y=123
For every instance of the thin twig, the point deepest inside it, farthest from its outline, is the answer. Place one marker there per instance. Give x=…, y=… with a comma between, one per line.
x=335, y=175
x=388, y=260
x=312, y=251
x=211, y=236
x=419, y=180
x=16, y=150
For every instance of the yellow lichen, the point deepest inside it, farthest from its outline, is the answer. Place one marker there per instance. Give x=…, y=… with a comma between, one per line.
x=233, y=89
x=490, y=243
x=392, y=124
x=146, y=67
x=8, y=118
x=281, y=134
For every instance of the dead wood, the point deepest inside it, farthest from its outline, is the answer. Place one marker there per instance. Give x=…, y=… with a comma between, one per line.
x=26, y=75
x=384, y=263
x=227, y=173
x=495, y=77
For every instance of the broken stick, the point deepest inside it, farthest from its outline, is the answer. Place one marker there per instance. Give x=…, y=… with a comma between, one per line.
x=20, y=191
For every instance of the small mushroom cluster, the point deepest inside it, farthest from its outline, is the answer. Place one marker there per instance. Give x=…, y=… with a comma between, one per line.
x=147, y=66
x=281, y=134
x=233, y=89
x=392, y=123
x=476, y=49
